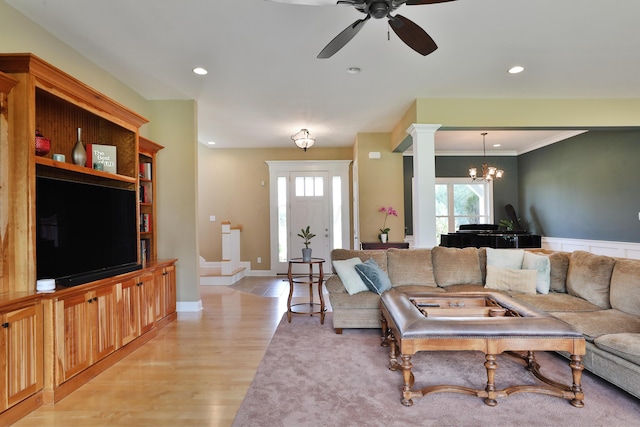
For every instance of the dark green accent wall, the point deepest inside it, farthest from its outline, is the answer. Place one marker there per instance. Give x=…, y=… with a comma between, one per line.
x=586, y=187
x=505, y=191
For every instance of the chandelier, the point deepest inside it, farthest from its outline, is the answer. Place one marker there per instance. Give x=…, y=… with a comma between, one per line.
x=489, y=173
x=303, y=139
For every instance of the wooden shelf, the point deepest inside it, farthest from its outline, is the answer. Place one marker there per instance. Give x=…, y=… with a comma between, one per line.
x=70, y=167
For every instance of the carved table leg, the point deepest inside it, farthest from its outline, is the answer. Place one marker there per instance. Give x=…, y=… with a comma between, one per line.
x=393, y=353
x=576, y=370
x=290, y=277
x=385, y=331
x=407, y=379
x=531, y=361
x=491, y=365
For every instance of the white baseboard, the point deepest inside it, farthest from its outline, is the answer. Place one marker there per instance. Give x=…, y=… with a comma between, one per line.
x=598, y=247
x=189, y=306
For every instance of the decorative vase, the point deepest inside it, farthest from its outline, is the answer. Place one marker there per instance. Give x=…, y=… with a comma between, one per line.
x=79, y=153
x=306, y=254
x=383, y=237
x=43, y=145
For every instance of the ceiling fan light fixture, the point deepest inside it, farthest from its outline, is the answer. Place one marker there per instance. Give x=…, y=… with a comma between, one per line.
x=303, y=139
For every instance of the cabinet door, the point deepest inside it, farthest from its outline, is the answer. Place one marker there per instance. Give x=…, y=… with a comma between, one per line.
x=73, y=333
x=104, y=332
x=21, y=343
x=147, y=302
x=129, y=311
x=170, y=289
x=159, y=291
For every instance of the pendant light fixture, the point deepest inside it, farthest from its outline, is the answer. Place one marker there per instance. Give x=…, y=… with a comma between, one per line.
x=303, y=139
x=489, y=173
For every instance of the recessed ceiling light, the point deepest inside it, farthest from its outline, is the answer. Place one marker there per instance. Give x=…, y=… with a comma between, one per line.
x=497, y=145
x=200, y=71
x=517, y=69
x=211, y=143
x=353, y=70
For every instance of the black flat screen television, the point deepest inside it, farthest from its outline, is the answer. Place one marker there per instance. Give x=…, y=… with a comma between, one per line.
x=85, y=232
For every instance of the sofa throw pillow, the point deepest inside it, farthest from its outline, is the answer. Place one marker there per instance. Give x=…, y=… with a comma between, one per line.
x=349, y=276
x=454, y=266
x=542, y=265
x=505, y=258
x=508, y=279
x=589, y=277
x=373, y=276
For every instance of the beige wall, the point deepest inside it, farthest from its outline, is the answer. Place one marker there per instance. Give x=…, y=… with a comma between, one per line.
x=173, y=125
x=380, y=184
x=547, y=113
x=230, y=187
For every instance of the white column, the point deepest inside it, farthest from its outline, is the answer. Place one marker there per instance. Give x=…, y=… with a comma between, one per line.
x=424, y=184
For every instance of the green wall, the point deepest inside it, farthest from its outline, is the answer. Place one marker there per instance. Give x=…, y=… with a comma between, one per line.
x=585, y=187
x=505, y=191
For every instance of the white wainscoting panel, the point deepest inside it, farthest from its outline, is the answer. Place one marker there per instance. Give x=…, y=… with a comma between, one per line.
x=598, y=247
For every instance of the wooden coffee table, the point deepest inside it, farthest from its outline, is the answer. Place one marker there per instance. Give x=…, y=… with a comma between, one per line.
x=489, y=322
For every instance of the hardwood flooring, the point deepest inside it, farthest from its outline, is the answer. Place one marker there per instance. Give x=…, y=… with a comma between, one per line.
x=194, y=373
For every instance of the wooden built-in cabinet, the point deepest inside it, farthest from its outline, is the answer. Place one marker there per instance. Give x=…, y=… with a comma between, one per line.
x=97, y=324
x=137, y=306
x=21, y=372
x=85, y=330
x=52, y=343
x=147, y=198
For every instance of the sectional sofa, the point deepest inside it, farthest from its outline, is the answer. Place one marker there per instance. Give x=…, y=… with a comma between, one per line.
x=598, y=295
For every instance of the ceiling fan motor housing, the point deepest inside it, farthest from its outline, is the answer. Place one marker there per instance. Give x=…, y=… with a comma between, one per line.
x=379, y=9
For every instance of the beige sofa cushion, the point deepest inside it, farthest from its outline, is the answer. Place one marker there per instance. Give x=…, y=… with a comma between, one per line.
x=558, y=302
x=410, y=267
x=559, y=268
x=379, y=256
x=625, y=286
x=603, y=322
x=454, y=266
x=589, y=277
x=626, y=346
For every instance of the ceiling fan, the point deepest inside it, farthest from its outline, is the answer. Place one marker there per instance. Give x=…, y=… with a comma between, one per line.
x=408, y=31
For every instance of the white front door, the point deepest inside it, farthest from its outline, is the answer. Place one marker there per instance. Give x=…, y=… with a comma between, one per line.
x=308, y=193
x=309, y=198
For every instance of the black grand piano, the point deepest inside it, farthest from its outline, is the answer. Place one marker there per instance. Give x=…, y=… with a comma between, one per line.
x=491, y=236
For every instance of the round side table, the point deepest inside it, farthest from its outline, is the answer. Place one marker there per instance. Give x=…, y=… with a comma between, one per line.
x=309, y=308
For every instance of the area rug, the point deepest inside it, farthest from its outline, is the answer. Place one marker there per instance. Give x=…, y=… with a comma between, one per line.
x=310, y=376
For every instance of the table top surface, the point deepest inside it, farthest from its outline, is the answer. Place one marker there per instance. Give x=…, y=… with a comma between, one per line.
x=301, y=261
x=467, y=314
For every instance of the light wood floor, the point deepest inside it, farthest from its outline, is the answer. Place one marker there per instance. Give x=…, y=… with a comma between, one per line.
x=194, y=373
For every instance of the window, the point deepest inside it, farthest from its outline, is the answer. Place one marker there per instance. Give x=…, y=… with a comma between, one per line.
x=282, y=219
x=309, y=186
x=460, y=201
x=336, y=205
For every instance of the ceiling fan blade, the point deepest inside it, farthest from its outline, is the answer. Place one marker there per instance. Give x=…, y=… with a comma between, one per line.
x=412, y=35
x=308, y=2
x=417, y=2
x=342, y=39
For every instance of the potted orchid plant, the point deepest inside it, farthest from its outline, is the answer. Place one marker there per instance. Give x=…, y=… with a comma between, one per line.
x=384, y=231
